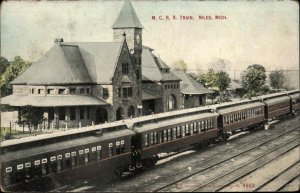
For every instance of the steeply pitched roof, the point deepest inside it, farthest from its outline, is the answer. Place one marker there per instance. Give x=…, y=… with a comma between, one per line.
x=100, y=59
x=188, y=85
x=74, y=63
x=153, y=68
x=60, y=65
x=127, y=17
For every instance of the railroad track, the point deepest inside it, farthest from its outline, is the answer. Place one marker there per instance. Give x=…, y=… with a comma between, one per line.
x=163, y=182
x=272, y=185
x=245, y=169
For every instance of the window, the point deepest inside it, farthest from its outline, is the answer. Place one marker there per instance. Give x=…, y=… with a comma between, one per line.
x=155, y=137
x=118, y=147
x=110, y=150
x=169, y=134
x=81, y=113
x=51, y=114
x=105, y=93
x=146, y=140
x=32, y=91
x=119, y=93
x=62, y=113
x=61, y=91
x=127, y=92
x=87, y=91
x=165, y=136
x=73, y=159
x=50, y=91
x=138, y=74
x=151, y=139
x=99, y=152
x=183, y=130
x=174, y=133
x=72, y=113
x=73, y=91
x=122, y=146
x=88, y=112
x=178, y=132
x=81, y=91
x=59, y=163
x=86, y=156
x=125, y=69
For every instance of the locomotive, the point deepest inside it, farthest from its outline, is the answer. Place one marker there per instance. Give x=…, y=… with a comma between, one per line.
x=51, y=160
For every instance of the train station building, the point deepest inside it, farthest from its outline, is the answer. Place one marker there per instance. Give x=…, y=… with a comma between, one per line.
x=83, y=83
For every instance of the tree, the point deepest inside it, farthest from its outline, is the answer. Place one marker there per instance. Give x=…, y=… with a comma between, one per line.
x=253, y=79
x=30, y=116
x=181, y=65
x=3, y=65
x=14, y=69
x=217, y=81
x=277, y=79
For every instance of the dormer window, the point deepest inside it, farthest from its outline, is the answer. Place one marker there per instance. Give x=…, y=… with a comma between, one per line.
x=125, y=69
x=105, y=93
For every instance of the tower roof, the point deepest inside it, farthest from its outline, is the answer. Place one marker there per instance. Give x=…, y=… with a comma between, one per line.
x=127, y=17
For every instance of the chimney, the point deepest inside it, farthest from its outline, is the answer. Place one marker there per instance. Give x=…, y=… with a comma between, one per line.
x=58, y=41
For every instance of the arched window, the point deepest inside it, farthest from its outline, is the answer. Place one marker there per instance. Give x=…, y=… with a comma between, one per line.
x=130, y=111
x=171, y=102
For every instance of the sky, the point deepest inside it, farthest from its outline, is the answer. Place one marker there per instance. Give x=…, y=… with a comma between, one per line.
x=254, y=32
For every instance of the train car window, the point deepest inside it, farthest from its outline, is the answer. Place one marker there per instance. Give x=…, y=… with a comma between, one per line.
x=68, y=161
x=155, y=137
x=118, y=147
x=169, y=134
x=37, y=168
x=174, y=133
x=187, y=131
x=122, y=146
x=53, y=164
x=178, y=132
x=59, y=163
x=45, y=169
x=165, y=136
x=161, y=136
x=86, y=156
x=146, y=140
x=191, y=128
x=151, y=139
x=99, y=152
x=93, y=154
x=199, y=127
x=182, y=130
x=110, y=150
x=195, y=128
x=20, y=173
x=27, y=170
x=73, y=159
x=8, y=178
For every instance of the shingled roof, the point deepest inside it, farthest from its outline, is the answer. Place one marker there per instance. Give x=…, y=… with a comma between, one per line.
x=74, y=63
x=127, y=17
x=153, y=68
x=189, y=85
x=60, y=65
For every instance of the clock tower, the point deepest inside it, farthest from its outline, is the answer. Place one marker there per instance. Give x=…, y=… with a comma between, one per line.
x=128, y=24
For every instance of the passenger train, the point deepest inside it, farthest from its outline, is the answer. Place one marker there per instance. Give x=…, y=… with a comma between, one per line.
x=51, y=160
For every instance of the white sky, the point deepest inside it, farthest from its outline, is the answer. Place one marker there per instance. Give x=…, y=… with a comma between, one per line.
x=256, y=32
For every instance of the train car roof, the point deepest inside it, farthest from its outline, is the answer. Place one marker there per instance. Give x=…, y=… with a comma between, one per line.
x=131, y=122
x=273, y=95
x=240, y=107
x=155, y=125
x=63, y=145
x=271, y=101
x=61, y=133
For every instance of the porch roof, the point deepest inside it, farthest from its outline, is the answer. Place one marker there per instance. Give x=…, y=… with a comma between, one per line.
x=147, y=95
x=52, y=101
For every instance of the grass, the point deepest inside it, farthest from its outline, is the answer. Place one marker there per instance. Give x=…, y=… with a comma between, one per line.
x=5, y=131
